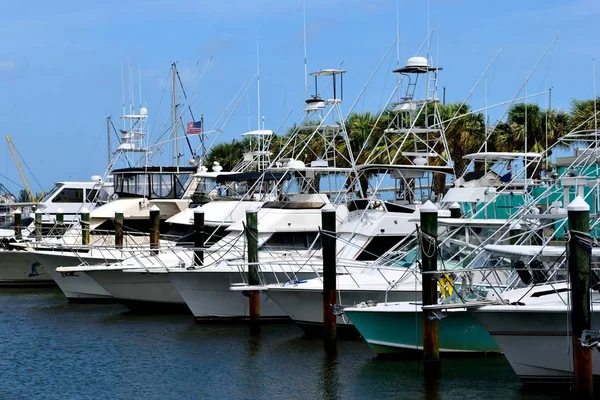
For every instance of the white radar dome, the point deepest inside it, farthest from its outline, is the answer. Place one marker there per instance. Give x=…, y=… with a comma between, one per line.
x=417, y=62
x=143, y=111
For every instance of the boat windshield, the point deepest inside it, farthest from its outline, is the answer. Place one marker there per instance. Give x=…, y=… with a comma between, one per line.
x=50, y=194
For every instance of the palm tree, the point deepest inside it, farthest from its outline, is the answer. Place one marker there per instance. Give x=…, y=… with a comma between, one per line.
x=582, y=114
x=228, y=154
x=465, y=134
x=544, y=130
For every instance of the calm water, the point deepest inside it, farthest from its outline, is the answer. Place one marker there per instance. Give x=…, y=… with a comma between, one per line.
x=54, y=350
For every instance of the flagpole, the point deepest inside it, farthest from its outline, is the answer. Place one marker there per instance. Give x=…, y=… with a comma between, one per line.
x=202, y=137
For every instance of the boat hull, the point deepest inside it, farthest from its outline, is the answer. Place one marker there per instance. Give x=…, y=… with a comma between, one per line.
x=16, y=270
x=401, y=333
x=305, y=306
x=536, y=344
x=76, y=286
x=143, y=292
x=209, y=296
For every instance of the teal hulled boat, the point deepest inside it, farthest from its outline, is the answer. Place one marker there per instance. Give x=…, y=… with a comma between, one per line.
x=397, y=328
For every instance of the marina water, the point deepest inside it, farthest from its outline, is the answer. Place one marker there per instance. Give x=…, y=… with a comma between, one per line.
x=55, y=350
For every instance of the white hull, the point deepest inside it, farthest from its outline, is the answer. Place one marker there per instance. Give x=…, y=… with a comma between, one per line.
x=15, y=268
x=537, y=345
x=138, y=287
x=305, y=306
x=208, y=294
x=76, y=286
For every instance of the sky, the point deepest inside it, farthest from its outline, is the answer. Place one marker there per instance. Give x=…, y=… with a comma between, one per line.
x=61, y=64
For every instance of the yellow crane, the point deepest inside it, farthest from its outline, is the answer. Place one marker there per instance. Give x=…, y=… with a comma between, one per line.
x=16, y=157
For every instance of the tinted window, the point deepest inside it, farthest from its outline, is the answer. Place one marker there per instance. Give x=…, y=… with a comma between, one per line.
x=91, y=195
x=69, y=196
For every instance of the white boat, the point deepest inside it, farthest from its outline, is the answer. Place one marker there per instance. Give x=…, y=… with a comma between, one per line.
x=76, y=286
x=534, y=332
x=17, y=266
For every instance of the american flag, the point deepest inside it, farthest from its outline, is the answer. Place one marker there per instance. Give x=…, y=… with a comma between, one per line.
x=194, y=127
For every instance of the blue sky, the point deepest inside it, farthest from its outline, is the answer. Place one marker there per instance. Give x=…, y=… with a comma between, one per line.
x=60, y=62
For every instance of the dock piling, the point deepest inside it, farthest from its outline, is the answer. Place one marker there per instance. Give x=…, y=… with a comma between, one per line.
x=198, y=236
x=154, y=228
x=579, y=260
x=328, y=242
x=17, y=216
x=119, y=229
x=253, y=276
x=38, y=225
x=455, y=211
x=84, y=220
x=60, y=222
x=429, y=255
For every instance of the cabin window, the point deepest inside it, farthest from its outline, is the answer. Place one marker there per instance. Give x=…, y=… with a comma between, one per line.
x=292, y=240
x=377, y=246
x=181, y=183
x=91, y=195
x=69, y=196
x=162, y=186
x=136, y=185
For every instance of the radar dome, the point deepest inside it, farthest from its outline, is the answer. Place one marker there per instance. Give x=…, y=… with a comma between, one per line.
x=417, y=62
x=420, y=161
x=144, y=110
x=217, y=167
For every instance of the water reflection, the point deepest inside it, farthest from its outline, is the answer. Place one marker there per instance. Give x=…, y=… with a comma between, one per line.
x=329, y=377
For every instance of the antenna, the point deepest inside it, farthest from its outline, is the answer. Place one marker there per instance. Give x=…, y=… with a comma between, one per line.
x=123, y=93
x=305, y=60
x=258, y=82
x=398, y=49
x=174, y=110
x=140, y=84
x=525, y=127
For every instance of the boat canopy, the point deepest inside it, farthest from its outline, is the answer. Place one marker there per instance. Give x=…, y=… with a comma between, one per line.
x=253, y=176
x=477, y=223
x=497, y=156
x=384, y=168
x=532, y=250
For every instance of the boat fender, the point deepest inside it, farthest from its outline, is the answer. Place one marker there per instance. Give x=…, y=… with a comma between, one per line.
x=523, y=273
x=538, y=271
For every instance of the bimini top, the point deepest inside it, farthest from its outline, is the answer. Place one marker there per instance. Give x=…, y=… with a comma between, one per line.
x=260, y=132
x=252, y=176
x=374, y=168
x=496, y=155
x=325, y=72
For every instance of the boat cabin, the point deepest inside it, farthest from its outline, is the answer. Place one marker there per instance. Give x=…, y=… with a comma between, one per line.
x=152, y=182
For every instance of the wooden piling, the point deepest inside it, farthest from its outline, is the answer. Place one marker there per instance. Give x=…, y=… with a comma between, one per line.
x=429, y=228
x=154, y=228
x=455, y=211
x=579, y=261
x=198, y=236
x=84, y=220
x=38, y=225
x=17, y=219
x=253, y=276
x=60, y=222
x=328, y=243
x=119, y=229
